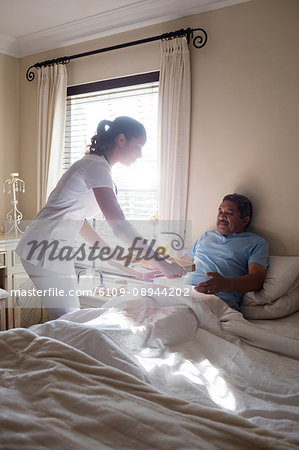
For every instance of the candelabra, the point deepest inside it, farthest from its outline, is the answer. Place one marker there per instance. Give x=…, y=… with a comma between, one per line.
x=13, y=185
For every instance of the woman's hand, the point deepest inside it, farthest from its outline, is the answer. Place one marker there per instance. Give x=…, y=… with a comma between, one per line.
x=170, y=268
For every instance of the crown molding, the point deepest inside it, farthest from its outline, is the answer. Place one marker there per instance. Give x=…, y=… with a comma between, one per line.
x=9, y=46
x=136, y=15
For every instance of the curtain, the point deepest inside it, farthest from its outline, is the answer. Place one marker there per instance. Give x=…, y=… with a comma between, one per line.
x=52, y=86
x=174, y=132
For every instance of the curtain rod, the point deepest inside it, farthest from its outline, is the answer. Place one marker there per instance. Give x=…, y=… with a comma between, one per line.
x=198, y=42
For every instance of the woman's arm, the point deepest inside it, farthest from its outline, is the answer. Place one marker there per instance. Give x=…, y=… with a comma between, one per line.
x=90, y=235
x=114, y=215
x=125, y=231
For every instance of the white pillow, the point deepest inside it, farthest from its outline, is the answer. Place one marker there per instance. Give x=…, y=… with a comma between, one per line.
x=3, y=293
x=283, y=306
x=282, y=276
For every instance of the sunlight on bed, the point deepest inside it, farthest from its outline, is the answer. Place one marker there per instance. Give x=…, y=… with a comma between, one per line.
x=150, y=358
x=189, y=371
x=204, y=374
x=149, y=363
x=114, y=318
x=216, y=385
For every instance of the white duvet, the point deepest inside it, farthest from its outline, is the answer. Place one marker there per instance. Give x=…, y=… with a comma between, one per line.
x=151, y=373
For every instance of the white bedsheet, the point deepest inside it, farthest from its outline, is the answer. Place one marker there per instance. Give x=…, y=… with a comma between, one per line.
x=192, y=350
x=285, y=326
x=54, y=396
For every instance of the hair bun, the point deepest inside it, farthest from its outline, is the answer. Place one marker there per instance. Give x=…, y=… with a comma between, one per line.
x=101, y=129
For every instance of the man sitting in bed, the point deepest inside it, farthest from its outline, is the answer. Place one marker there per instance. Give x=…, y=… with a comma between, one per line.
x=229, y=261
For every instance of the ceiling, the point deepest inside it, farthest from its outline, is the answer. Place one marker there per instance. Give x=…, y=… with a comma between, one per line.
x=31, y=26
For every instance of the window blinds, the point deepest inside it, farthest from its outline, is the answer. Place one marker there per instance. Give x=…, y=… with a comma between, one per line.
x=138, y=184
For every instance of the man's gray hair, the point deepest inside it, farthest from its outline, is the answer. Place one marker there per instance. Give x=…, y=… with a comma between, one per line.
x=243, y=203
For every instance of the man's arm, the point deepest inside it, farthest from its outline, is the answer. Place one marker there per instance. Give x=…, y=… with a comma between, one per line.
x=253, y=281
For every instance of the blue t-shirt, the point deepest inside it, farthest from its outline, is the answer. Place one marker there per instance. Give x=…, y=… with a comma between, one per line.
x=227, y=255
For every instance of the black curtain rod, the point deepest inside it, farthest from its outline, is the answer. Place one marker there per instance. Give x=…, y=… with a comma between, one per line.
x=198, y=42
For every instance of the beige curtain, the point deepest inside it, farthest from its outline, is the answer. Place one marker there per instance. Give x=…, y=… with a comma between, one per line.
x=52, y=86
x=174, y=132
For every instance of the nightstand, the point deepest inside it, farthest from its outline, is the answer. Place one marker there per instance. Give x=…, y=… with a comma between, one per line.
x=12, y=278
x=12, y=274
x=3, y=301
x=2, y=314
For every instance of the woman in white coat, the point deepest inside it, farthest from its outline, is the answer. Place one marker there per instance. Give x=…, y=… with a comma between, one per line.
x=85, y=188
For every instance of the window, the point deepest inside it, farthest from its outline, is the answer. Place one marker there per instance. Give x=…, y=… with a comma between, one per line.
x=137, y=97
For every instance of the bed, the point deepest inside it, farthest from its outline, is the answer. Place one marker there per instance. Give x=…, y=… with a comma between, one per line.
x=157, y=371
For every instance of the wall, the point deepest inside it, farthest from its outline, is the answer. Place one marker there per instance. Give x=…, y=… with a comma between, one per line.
x=245, y=118
x=9, y=125
x=244, y=134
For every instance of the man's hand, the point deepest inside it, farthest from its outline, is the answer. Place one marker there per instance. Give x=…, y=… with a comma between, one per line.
x=253, y=281
x=215, y=284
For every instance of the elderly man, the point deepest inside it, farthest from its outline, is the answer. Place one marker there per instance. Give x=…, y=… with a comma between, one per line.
x=229, y=261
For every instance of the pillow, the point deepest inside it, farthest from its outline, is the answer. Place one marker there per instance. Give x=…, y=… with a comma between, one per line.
x=3, y=293
x=282, y=276
x=283, y=306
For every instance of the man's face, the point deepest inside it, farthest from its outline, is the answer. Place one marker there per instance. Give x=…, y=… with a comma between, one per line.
x=229, y=220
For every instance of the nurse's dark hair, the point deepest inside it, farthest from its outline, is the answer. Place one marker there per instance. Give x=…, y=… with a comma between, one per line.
x=243, y=203
x=107, y=132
